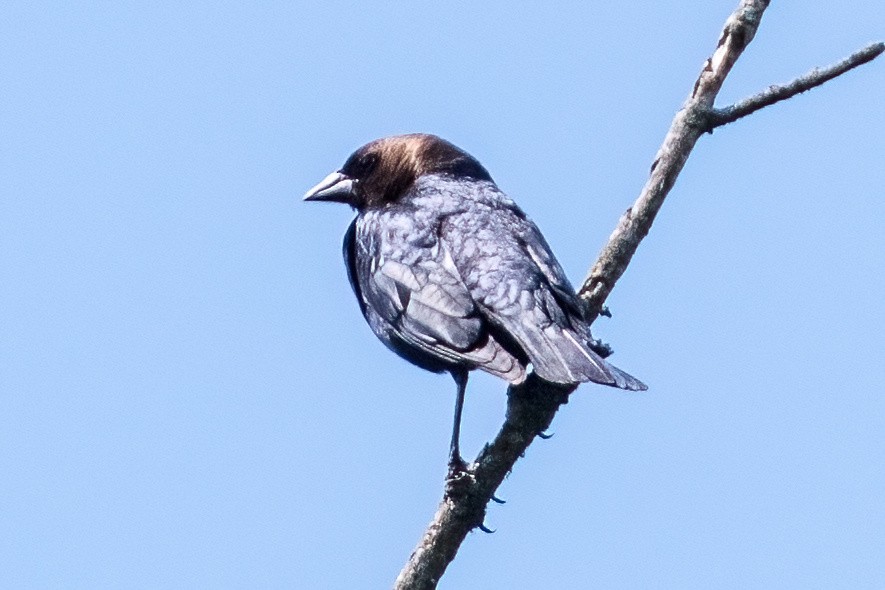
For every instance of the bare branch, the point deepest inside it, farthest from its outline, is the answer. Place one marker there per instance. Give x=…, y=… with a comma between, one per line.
x=697, y=117
x=530, y=410
x=532, y=406
x=774, y=94
x=688, y=125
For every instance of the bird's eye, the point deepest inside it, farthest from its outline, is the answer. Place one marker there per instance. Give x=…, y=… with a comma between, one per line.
x=360, y=165
x=368, y=163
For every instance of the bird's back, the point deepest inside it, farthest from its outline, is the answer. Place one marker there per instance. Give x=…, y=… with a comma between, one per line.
x=454, y=274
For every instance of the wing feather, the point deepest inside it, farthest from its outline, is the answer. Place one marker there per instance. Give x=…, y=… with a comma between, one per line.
x=522, y=290
x=424, y=311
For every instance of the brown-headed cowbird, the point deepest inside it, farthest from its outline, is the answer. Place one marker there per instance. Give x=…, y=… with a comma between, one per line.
x=452, y=276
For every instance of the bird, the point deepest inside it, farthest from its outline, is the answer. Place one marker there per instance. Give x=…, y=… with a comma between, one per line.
x=451, y=275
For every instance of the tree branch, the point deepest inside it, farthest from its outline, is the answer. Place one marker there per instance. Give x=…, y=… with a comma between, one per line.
x=689, y=124
x=532, y=405
x=773, y=94
x=530, y=409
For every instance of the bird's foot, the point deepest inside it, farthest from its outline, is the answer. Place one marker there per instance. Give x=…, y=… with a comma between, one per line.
x=601, y=348
x=457, y=466
x=459, y=478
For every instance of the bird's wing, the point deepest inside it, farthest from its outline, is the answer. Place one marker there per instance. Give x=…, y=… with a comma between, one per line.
x=522, y=290
x=421, y=308
x=533, y=243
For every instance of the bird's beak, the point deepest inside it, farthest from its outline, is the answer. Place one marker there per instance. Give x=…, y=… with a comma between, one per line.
x=335, y=187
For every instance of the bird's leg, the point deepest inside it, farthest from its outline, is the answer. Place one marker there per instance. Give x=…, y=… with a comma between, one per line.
x=456, y=463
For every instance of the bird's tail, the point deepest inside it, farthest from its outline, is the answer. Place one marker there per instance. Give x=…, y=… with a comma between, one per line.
x=624, y=380
x=572, y=361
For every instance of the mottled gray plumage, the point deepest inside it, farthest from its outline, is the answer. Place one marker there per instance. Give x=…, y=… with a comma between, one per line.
x=451, y=274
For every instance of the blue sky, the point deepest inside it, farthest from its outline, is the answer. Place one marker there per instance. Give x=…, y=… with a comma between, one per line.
x=189, y=397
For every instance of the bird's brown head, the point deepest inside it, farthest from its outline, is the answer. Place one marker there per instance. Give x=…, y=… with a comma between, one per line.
x=380, y=172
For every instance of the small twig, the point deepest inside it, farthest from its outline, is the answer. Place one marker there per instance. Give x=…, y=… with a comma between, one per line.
x=532, y=406
x=773, y=94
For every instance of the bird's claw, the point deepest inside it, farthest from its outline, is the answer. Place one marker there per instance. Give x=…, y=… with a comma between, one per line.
x=546, y=435
x=497, y=500
x=486, y=529
x=458, y=481
x=601, y=348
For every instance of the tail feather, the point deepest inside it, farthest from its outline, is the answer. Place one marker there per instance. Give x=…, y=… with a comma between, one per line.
x=564, y=357
x=625, y=380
